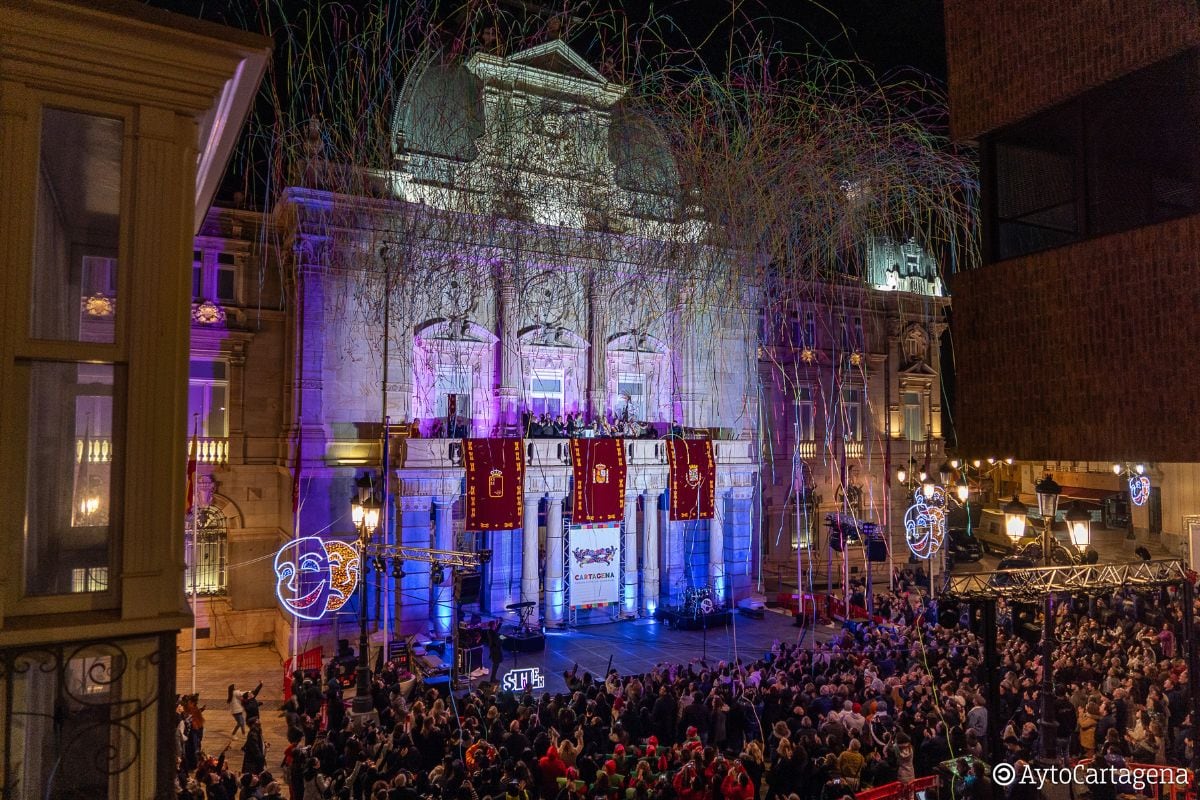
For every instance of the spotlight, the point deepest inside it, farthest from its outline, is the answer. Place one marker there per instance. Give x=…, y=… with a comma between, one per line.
x=435, y=576
x=380, y=564
x=397, y=568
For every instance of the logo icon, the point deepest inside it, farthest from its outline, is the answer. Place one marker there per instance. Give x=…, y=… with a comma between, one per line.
x=600, y=555
x=600, y=473
x=495, y=483
x=693, y=475
x=518, y=680
x=314, y=577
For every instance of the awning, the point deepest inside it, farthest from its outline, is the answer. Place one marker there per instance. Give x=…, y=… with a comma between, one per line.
x=1089, y=495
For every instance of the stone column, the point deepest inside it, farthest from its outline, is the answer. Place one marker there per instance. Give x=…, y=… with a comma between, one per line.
x=508, y=393
x=556, y=600
x=650, y=552
x=597, y=396
x=443, y=539
x=629, y=580
x=413, y=593
x=716, y=548
x=529, y=553
x=739, y=537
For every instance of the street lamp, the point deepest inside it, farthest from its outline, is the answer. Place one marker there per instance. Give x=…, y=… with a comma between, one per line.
x=1047, y=495
x=1014, y=519
x=927, y=486
x=1079, y=525
x=901, y=475
x=364, y=511
x=962, y=490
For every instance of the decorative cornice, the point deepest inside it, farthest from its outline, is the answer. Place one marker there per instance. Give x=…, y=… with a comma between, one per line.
x=415, y=503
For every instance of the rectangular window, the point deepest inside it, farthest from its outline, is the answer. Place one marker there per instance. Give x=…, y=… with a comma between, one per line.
x=631, y=396
x=208, y=397
x=914, y=416
x=226, y=284
x=546, y=392
x=89, y=579
x=198, y=292
x=69, y=476
x=805, y=428
x=453, y=382
x=77, y=218
x=801, y=523
x=810, y=330
x=210, y=554
x=852, y=422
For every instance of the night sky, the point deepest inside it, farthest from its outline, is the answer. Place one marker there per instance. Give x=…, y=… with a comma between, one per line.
x=890, y=35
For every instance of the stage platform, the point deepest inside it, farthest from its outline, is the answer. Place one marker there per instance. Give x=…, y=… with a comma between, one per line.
x=688, y=621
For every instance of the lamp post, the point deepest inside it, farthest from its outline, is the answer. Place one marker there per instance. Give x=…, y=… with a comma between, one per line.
x=1014, y=519
x=364, y=510
x=1047, y=496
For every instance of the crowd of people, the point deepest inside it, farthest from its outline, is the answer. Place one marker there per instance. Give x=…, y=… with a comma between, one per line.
x=810, y=720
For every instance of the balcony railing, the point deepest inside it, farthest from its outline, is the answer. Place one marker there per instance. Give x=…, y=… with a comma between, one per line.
x=447, y=453
x=93, y=451
x=210, y=450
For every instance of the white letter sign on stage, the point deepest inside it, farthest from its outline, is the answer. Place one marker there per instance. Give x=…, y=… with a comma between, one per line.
x=595, y=563
x=518, y=680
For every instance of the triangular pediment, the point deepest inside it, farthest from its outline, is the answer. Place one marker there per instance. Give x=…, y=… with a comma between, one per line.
x=918, y=368
x=555, y=56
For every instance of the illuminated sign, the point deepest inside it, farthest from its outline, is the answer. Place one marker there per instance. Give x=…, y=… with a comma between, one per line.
x=314, y=577
x=518, y=680
x=925, y=523
x=1139, y=489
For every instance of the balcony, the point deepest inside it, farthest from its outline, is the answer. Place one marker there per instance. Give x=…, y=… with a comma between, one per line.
x=210, y=450
x=544, y=453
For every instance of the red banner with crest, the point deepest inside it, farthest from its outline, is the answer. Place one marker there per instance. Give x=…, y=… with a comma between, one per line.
x=599, y=467
x=693, y=477
x=495, y=483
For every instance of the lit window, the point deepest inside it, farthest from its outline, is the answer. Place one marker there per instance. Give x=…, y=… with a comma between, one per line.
x=852, y=415
x=801, y=524
x=211, y=533
x=805, y=429
x=631, y=396
x=453, y=382
x=914, y=416
x=546, y=392
x=208, y=395
x=89, y=579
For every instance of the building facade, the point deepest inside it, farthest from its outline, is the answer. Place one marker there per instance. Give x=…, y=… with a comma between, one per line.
x=107, y=174
x=1067, y=338
x=540, y=259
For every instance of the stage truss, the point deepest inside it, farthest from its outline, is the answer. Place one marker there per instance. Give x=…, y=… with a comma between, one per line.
x=1029, y=584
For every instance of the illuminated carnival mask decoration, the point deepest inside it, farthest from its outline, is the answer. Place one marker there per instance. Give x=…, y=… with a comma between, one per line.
x=315, y=577
x=1139, y=489
x=925, y=523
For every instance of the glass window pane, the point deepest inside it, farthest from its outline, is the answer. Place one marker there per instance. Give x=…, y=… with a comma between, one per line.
x=197, y=282
x=77, y=218
x=69, y=492
x=225, y=290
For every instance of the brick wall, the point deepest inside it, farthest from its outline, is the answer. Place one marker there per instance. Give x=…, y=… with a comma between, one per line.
x=1088, y=352
x=1010, y=58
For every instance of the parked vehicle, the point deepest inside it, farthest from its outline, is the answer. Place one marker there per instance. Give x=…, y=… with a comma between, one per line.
x=964, y=547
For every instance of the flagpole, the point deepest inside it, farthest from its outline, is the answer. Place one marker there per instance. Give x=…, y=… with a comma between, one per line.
x=193, y=457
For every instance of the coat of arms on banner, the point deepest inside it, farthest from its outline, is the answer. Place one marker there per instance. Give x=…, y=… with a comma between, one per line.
x=601, y=555
x=693, y=475
x=496, y=483
x=600, y=473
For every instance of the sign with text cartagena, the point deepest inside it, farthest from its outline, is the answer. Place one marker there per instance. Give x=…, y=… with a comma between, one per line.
x=594, y=557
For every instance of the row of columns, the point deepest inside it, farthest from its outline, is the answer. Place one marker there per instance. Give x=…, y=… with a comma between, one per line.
x=413, y=608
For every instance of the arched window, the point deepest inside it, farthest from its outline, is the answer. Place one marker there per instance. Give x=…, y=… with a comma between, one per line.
x=211, y=533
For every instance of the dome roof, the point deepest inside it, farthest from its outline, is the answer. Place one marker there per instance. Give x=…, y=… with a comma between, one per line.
x=440, y=111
